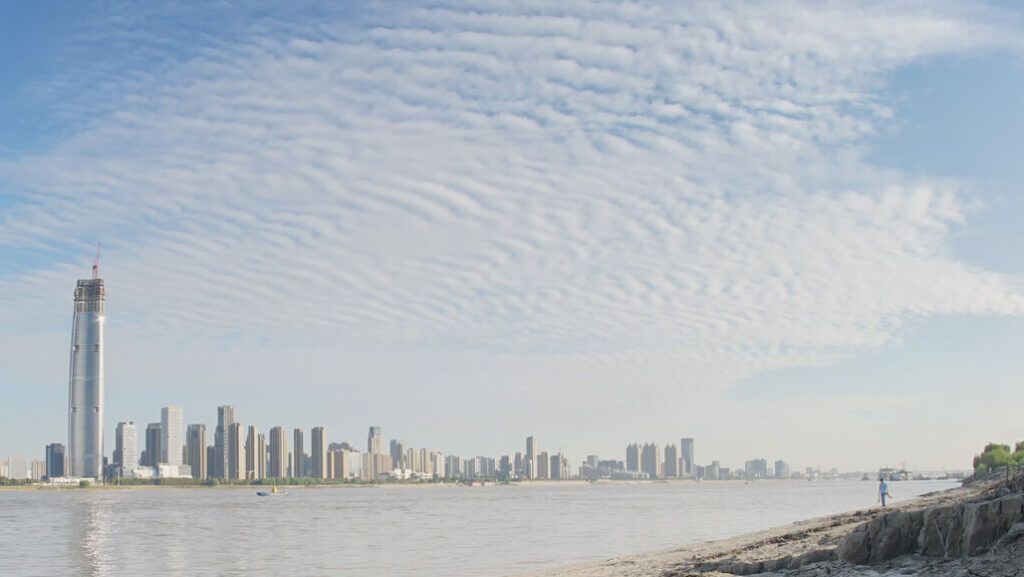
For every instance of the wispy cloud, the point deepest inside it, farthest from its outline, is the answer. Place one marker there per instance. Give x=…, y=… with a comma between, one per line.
x=609, y=184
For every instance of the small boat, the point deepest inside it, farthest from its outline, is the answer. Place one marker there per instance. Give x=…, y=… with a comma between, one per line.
x=271, y=493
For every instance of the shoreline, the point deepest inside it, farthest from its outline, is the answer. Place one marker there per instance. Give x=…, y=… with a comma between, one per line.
x=805, y=547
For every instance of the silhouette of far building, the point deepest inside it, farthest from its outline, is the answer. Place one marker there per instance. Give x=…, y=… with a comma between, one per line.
x=531, y=457
x=126, y=448
x=633, y=457
x=298, y=456
x=172, y=425
x=154, y=440
x=649, y=460
x=277, y=462
x=219, y=466
x=318, y=453
x=195, y=450
x=375, y=441
x=686, y=448
x=671, y=465
x=55, y=460
x=236, y=451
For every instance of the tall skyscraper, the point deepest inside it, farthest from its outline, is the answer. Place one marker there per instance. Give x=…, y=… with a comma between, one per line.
x=298, y=458
x=172, y=422
x=633, y=457
x=55, y=457
x=671, y=465
x=235, y=451
x=531, y=457
x=154, y=442
x=195, y=450
x=225, y=417
x=375, y=441
x=318, y=453
x=649, y=460
x=278, y=458
x=686, y=447
x=252, y=464
x=126, y=447
x=85, y=380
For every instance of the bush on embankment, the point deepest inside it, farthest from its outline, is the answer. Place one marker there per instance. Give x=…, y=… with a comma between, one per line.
x=998, y=455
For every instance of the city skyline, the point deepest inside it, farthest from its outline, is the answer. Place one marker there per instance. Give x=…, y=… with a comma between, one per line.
x=785, y=229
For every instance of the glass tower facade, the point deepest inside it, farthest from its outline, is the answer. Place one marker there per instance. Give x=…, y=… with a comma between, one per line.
x=85, y=388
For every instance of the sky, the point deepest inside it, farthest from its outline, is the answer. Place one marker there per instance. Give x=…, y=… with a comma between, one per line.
x=787, y=230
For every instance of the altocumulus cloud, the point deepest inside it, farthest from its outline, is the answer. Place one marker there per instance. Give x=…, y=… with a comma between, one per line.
x=599, y=185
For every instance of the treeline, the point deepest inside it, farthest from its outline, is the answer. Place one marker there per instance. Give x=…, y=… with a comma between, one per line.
x=998, y=455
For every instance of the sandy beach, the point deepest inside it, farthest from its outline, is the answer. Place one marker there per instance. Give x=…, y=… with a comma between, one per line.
x=820, y=546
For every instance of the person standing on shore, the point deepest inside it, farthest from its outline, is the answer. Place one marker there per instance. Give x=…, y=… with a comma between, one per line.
x=883, y=490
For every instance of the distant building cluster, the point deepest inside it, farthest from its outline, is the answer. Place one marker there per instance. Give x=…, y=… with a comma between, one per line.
x=167, y=449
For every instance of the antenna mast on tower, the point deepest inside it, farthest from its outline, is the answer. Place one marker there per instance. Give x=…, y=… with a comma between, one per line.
x=96, y=263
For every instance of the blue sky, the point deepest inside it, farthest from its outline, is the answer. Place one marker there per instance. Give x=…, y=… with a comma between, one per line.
x=788, y=232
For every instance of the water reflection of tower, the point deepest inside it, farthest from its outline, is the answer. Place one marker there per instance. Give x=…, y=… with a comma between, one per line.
x=85, y=381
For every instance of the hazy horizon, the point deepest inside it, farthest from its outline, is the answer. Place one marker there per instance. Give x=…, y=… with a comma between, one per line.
x=789, y=231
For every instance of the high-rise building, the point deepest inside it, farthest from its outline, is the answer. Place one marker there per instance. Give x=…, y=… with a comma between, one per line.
x=375, y=441
x=298, y=457
x=671, y=464
x=278, y=457
x=195, y=450
x=318, y=454
x=85, y=381
x=543, y=464
x=398, y=454
x=555, y=469
x=236, y=451
x=649, y=460
x=172, y=422
x=686, y=447
x=633, y=457
x=531, y=457
x=55, y=457
x=252, y=466
x=225, y=417
x=781, y=470
x=154, y=441
x=126, y=447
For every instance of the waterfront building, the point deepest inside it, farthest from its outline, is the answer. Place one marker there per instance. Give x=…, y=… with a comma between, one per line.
x=252, y=453
x=126, y=448
x=225, y=417
x=452, y=467
x=298, y=456
x=686, y=448
x=555, y=468
x=18, y=468
x=649, y=460
x=261, y=456
x=505, y=467
x=375, y=441
x=543, y=466
x=531, y=457
x=713, y=471
x=85, y=380
x=38, y=469
x=211, y=460
x=318, y=454
x=154, y=440
x=195, y=450
x=278, y=457
x=756, y=469
x=781, y=470
x=398, y=456
x=633, y=457
x=671, y=465
x=172, y=425
x=55, y=457
x=235, y=451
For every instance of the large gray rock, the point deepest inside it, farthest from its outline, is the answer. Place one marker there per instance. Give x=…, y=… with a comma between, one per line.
x=986, y=522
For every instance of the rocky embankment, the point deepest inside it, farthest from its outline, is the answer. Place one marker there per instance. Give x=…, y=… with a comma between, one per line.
x=977, y=529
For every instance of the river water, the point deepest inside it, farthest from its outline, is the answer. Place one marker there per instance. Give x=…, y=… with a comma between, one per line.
x=395, y=531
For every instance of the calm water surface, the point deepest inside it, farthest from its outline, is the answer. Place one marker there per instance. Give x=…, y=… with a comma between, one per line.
x=394, y=531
